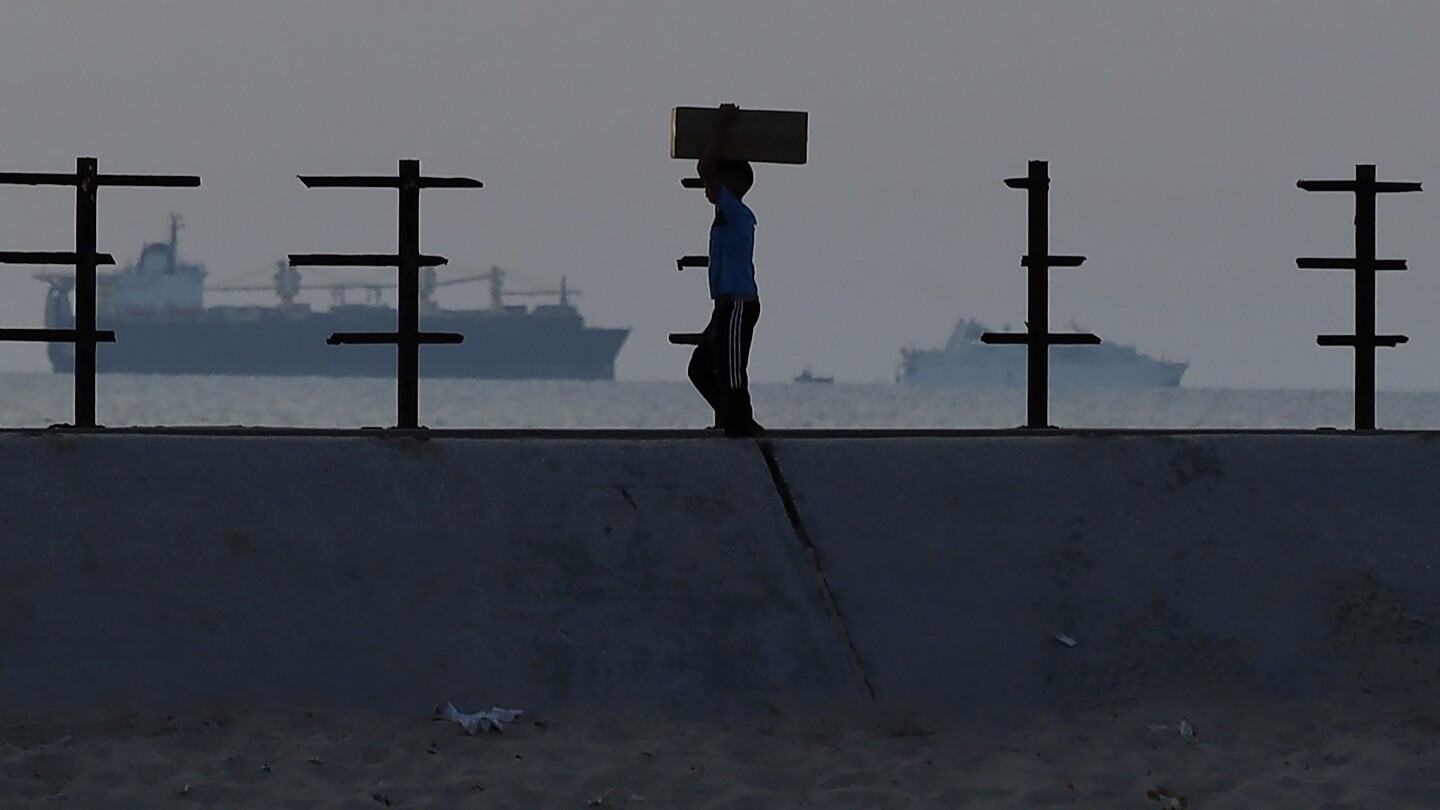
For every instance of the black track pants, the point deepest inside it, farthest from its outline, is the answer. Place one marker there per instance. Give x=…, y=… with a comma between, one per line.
x=717, y=368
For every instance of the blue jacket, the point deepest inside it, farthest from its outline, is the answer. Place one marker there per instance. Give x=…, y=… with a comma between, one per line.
x=732, y=249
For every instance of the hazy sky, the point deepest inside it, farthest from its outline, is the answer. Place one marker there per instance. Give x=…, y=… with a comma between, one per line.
x=1176, y=132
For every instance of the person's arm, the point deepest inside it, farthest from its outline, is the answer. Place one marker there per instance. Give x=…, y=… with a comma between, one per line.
x=709, y=167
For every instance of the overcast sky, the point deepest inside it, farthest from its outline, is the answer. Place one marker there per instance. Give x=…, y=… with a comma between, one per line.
x=1176, y=132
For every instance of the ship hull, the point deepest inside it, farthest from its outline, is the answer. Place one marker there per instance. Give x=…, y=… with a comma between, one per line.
x=267, y=342
x=1005, y=367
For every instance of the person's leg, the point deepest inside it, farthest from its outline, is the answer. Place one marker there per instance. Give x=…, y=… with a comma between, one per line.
x=703, y=370
x=740, y=333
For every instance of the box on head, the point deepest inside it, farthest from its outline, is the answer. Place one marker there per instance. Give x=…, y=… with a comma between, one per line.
x=759, y=136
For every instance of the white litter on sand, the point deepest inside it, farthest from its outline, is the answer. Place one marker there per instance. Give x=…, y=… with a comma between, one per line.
x=477, y=721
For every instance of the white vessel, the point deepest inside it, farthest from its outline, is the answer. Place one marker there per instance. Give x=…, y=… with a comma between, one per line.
x=965, y=361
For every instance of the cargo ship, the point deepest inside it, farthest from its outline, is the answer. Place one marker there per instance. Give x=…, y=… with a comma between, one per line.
x=157, y=308
x=966, y=361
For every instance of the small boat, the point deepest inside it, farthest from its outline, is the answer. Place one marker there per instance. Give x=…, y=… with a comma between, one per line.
x=807, y=376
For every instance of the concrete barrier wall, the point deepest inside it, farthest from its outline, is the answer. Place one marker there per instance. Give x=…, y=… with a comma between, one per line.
x=1197, y=565
x=388, y=573
x=359, y=572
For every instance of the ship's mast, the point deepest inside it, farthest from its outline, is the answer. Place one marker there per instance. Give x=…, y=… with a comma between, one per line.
x=497, y=291
x=176, y=223
x=287, y=283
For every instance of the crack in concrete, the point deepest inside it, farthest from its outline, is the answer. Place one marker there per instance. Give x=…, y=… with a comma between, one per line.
x=782, y=488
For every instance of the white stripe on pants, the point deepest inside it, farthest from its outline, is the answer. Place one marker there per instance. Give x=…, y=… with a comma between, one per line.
x=736, y=322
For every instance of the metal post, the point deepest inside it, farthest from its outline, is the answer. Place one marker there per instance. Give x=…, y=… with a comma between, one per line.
x=1365, y=297
x=689, y=338
x=1038, y=338
x=683, y=262
x=1365, y=264
x=408, y=260
x=86, y=174
x=408, y=344
x=1037, y=377
x=87, y=181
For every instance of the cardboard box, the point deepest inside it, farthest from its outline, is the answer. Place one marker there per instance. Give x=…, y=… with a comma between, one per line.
x=759, y=136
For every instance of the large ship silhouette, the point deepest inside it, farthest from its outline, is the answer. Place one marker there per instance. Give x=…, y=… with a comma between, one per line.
x=156, y=307
x=966, y=361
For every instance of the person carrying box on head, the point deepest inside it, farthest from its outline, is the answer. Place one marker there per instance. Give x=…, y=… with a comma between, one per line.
x=718, y=366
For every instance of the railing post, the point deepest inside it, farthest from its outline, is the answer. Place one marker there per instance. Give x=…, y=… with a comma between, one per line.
x=1365, y=294
x=408, y=260
x=1366, y=265
x=1038, y=338
x=87, y=181
x=408, y=345
x=694, y=260
x=86, y=172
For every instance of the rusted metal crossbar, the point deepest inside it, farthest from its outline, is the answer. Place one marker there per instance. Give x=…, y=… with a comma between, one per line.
x=408, y=260
x=87, y=181
x=1037, y=339
x=1365, y=341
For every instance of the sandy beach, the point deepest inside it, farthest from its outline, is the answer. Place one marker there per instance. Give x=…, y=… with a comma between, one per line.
x=1362, y=752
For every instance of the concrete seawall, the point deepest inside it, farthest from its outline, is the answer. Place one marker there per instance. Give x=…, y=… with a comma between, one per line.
x=707, y=575
x=1185, y=565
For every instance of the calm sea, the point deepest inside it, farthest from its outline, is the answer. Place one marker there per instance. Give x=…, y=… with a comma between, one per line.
x=41, y=399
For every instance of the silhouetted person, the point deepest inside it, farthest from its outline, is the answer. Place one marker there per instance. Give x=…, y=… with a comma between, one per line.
x=718, y=365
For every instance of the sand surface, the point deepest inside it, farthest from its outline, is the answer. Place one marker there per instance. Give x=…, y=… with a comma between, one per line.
x=1361, y=752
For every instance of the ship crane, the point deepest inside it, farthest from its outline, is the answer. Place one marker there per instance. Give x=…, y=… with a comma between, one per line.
x=287, y=287
x=496, y=277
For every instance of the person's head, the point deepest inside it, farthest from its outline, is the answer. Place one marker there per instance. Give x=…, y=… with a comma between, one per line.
x=737, y=176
